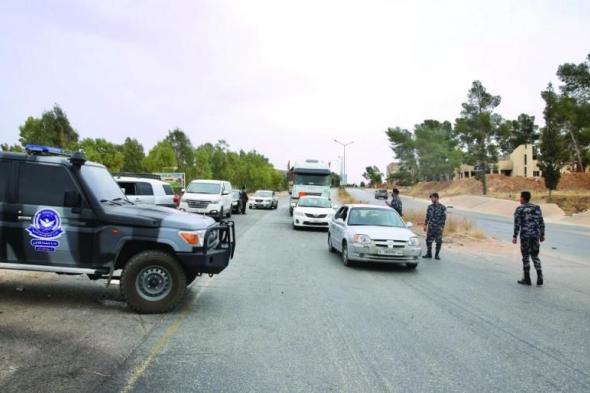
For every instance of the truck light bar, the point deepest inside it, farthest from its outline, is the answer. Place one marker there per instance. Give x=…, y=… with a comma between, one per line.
x=45, y=150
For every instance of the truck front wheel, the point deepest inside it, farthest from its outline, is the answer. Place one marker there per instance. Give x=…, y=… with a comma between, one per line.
x=153, y=282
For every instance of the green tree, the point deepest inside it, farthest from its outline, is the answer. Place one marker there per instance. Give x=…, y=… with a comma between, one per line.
x=335, y=180
x=160, y=158
x=373, y=175
x=522, y=131
x=14, y=148
x=403, y=145
x=437, y=150
x=104, y=152
x=570, y=109
x=553, y=155
x=183, y=151
x=479, y=129
x=53, y=129
x=133, y=155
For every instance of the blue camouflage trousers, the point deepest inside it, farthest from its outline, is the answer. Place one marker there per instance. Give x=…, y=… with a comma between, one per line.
x=434, y=235
x=529, y=248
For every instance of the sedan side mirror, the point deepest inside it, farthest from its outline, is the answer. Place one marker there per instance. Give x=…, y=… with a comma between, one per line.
x=409, y=225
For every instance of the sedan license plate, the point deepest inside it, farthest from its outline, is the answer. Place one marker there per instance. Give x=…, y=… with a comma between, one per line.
x=389, y=251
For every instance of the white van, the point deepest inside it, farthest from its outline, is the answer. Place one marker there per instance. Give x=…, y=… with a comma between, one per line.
x=210, y=197
x=147, y=191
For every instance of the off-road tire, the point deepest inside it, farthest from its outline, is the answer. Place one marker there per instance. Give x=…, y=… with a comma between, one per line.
x=146, y=259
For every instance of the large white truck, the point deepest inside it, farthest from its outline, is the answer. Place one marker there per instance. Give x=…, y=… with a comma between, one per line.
x=309, y=177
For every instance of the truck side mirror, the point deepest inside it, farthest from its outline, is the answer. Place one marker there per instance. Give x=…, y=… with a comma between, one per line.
x=72, y=198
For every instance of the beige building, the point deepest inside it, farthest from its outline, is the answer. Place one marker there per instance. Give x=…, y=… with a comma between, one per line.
x=392, y=168
x=521, y=162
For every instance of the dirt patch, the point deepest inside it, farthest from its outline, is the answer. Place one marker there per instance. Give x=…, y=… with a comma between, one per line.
x=457, y=229
x=345, y=197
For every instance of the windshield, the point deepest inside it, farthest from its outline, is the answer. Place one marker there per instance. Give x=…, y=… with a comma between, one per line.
x=235, y=194
x=103, y=186
x=314, y=202
x=263, y=194
x=203, y=188
x=375, y=217
x=312, y=180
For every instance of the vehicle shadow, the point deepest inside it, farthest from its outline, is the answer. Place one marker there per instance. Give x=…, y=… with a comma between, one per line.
x=374, y=266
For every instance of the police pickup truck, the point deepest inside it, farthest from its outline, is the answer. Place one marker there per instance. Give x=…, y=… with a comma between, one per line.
x=60, y=213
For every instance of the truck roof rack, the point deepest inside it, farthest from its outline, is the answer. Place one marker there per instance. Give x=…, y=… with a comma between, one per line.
x=138, y=174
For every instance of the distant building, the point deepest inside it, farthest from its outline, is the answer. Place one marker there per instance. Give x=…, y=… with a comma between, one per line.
x=392, y=168
x=521, y=162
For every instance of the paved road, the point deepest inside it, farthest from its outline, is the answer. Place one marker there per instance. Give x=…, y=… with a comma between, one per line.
x=569, y=240
x=287, y=316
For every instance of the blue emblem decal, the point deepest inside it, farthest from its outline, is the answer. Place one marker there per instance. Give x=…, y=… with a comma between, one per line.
x=45, y=230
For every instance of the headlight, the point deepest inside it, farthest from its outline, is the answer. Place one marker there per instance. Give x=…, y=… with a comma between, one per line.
x=414, y=241
x=194, y=238
x=361, y=239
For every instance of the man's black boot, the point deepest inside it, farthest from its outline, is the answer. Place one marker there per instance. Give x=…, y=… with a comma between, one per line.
x=526, y=279
x=437, y=254
x=539, y=277
x=428, y=253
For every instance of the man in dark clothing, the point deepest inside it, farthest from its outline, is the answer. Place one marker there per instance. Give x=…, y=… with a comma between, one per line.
x=434, y=225
x=528, y=221
x=396, y=202
x=244, y=199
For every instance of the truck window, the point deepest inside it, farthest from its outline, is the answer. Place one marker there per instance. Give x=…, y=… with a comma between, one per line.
x=43, y=185
x=168, y=190
x=4, y=166
x=142, y=188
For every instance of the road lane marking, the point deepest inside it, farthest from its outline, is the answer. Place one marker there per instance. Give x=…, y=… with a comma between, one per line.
x=161, y=344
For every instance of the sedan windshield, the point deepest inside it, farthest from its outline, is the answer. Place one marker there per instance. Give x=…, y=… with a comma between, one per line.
x=235, y=194
x=314, y=202
x=203, y=188
x=263, y=194
x=375, y=217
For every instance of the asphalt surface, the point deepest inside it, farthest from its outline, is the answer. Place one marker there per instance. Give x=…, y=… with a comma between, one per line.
x=567, y=239
x=287, y=316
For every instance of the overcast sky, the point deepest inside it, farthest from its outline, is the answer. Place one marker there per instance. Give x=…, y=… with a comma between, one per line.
x=282, y=77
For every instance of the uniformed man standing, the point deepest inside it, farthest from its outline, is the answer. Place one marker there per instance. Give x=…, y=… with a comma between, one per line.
x=396, y=202
x=528, y=221
x=434, y=225
x=244, y=199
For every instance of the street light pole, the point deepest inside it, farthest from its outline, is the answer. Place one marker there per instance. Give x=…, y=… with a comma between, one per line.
x=344, y=180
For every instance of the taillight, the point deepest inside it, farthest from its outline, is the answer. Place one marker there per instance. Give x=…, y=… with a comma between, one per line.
x=176, y=200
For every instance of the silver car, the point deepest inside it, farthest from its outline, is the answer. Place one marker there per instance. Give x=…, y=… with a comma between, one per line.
x=264, y=199
x=367, y=233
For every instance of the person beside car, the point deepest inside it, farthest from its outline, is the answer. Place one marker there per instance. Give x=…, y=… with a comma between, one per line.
x=244, y=199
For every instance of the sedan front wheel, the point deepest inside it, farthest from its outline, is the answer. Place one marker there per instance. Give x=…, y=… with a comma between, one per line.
x=345, y=259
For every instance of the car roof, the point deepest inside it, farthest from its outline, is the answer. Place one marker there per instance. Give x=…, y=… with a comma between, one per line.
x=43, y=159
x=209, y=181
x=313, y=197
x=138, y=179
x=366, y=205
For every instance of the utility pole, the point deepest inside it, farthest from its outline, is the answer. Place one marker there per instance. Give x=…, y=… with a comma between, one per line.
x=344, y=145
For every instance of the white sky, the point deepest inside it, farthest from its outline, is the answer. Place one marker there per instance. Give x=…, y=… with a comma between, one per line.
x=284, y=78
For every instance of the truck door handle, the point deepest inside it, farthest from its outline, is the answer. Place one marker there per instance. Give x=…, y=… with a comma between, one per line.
x=24, y=218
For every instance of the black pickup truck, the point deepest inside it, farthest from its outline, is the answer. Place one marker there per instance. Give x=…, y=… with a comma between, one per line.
x=62, y=214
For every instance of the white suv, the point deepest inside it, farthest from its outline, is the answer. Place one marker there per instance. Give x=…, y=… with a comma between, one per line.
x=148, y=191
x=210, y=197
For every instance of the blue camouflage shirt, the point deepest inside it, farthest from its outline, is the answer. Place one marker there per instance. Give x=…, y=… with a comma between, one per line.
x=528, y=221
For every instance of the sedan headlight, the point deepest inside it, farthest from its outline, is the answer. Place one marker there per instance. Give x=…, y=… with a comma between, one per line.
x=297, y=213
x=194, y=238
x=414, y=241
x=361, y=239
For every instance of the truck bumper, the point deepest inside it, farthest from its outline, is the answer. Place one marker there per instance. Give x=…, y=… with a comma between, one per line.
x=213, y=262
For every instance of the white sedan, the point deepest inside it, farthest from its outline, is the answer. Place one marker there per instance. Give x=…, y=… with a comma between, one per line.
x=312, y=212
x=367, y=233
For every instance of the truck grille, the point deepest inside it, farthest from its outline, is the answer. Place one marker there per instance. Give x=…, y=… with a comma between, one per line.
x=197, y=204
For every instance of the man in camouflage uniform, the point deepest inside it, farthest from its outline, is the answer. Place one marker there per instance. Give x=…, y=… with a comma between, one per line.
x=396, y=202
x=434, y=225
x=528, y=221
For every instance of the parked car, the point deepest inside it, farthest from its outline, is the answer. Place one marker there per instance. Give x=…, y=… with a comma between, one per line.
x=209, y=197
x=60, y=213
x=312, y=212
x=381, y=193
x=236, y=204
x=264, y=199
x=148, y=191
x=367, y=233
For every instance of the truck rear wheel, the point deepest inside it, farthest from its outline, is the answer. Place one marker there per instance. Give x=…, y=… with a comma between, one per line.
x=153, y=282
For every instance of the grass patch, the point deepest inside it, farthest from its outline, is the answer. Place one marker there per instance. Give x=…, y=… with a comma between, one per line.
x=455, y=227
x=345, y=197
